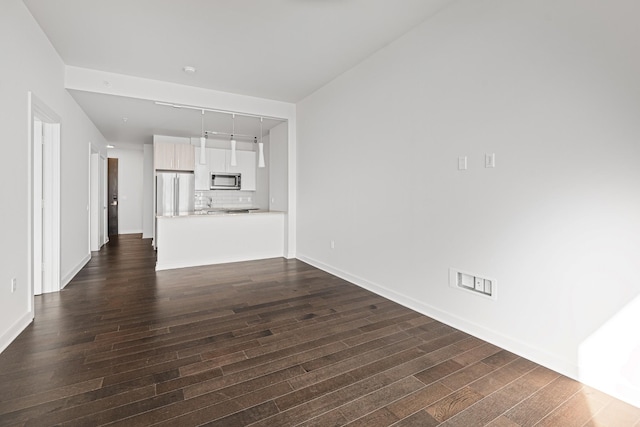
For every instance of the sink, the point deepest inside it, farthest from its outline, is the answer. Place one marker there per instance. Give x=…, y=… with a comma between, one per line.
x=228, y=211
x=222, y=211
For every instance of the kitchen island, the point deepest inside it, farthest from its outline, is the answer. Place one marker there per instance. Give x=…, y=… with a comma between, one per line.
x=201, y=239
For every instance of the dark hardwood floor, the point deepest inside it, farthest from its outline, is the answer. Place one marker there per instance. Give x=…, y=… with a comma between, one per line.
x=265, y=343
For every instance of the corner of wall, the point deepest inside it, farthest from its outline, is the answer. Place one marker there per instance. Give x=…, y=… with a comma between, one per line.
x=75, y=270
x=15, y=330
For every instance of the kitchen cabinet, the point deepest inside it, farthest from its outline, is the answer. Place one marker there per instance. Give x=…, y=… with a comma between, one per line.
x=219, y=160
x=184, y=155
x=246, y=165
x=170, y=156
x=185, y=241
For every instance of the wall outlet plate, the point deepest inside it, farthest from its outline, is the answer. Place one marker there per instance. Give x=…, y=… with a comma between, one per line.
x=476, y=284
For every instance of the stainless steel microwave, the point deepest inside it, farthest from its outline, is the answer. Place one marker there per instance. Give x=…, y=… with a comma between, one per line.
x=225, y=181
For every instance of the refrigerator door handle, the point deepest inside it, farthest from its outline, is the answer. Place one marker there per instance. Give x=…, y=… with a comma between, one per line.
x=175, y=195
x=177, y=199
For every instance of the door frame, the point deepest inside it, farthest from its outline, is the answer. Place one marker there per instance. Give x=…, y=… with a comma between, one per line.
x=43, y=166
x=97, y=197
x=105, y=199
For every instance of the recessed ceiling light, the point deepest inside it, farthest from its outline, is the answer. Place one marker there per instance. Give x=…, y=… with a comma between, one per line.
x=124, y=119
x=189, y=69
x=111, y=146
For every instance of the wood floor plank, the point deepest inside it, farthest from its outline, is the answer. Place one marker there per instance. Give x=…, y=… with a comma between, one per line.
x=272, y=342
x=614, y=413
x=577, y=411
x=380, y=398
x=379, y=418
x=497, y=403
x=9, y=405
x=531, y=410
x=418, y=400
x=72, y=410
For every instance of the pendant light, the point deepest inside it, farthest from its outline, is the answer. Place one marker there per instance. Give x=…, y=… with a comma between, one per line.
x=234, y=160
x=260, y=148
x=203, y=140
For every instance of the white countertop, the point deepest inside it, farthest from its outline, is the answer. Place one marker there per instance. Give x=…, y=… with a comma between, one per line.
x=218, y=213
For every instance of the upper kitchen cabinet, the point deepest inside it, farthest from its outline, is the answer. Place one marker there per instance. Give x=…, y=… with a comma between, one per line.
x=171, y=153
x=246, y=166
x=185, y=155
x=219, y=160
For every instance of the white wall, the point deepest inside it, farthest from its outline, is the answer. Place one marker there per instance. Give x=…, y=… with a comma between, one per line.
x=148, y=215
x=76, y=133
x=551, y=88
x=130, y=178
x=41, y=71
x=278, y=168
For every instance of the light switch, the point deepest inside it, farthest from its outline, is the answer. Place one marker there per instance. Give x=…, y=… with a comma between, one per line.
x=490, y=160
x=462, y=163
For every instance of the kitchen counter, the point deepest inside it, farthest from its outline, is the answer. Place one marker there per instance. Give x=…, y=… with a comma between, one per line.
x=221, y=211
x=195, y=239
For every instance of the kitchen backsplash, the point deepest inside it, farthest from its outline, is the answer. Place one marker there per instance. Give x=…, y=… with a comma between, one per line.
x=224, y=199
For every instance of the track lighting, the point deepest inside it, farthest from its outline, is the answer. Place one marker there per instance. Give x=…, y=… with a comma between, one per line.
x=234, y=160
x=203, y=140
x=260, y=148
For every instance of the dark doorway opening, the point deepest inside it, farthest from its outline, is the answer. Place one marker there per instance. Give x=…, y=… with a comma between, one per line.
x=112, y=179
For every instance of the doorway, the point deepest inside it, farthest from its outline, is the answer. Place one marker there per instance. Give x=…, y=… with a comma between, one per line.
x=112, y=174
x=44, y=197
x=97, y=197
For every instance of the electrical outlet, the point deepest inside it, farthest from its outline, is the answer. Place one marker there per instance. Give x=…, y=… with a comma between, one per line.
x=473, y=283
x=14, y=285
x=333, y=244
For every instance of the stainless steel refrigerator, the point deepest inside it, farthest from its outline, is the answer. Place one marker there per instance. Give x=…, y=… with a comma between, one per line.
x=175, y=193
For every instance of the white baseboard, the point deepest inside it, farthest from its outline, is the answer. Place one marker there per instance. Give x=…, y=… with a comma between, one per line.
x=508, y=343
x=15, y=330
x=69, y=276
x=130, y=231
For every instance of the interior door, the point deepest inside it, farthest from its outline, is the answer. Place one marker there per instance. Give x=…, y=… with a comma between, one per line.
x=113, y=196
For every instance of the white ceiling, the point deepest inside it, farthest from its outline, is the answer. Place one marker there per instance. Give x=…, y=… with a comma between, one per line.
x=132, y=120
x=275, y=49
